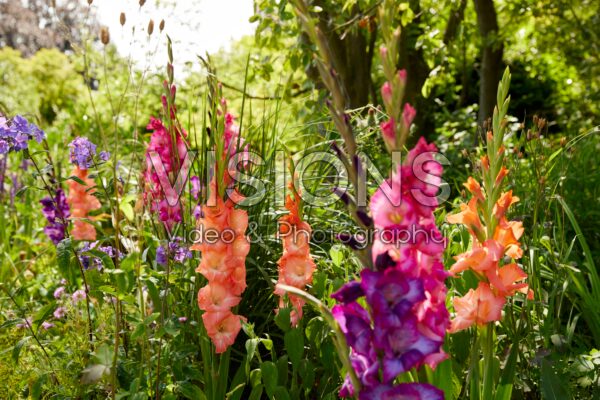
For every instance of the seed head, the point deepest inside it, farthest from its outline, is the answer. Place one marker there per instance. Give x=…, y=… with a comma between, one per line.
x=104, y=35
x=150, y=27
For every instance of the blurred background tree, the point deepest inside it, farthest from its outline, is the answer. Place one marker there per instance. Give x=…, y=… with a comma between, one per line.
x=31, y=25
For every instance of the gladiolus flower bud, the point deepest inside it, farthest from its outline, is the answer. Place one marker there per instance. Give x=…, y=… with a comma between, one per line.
x=408, y=115
x=386, y=93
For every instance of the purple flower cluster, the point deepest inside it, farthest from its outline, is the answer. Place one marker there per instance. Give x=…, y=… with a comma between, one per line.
x=16, y=134
x=83, y=152
x=56, y=211
x=95, y=262
x=175, y=250
x=405, y=318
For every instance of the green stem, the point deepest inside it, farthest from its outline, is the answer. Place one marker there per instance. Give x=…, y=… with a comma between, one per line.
x=340, y=339
x=474, y=388
x=488, y=362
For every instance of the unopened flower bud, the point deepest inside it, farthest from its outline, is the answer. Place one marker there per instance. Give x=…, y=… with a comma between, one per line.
x=90, y=2
x=161, y=26
x=402, y=76
x=142, y=2
x=386, y=93
x=408, y=115
x=383, y=51
x=122, y=19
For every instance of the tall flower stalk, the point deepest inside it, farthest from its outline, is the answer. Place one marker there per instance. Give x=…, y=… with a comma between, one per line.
x=494, y=239
x=394, y=318
x=224, y=245
x=296, y=265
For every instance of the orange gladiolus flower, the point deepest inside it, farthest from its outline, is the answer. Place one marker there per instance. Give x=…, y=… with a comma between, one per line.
x=484, y=304
x=468, y=216
x=296, y=265
x=81, y=201
x=222, y=327
x=224, y=248
x=479, y=306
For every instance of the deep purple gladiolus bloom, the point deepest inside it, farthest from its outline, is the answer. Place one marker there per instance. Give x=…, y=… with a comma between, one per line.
x=56, y=211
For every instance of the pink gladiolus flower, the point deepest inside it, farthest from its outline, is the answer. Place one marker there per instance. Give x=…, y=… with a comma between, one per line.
x=171, y=159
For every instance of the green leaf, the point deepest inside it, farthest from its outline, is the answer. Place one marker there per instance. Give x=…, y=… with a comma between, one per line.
x=307, y=373
x=64, y=253
x=255, y=377
x=294, y=345
x=43, y=314
x=76, y=179
x=251, y=345
x=17, y=348
x=139, y=330
x=127, y=210
x=553, y=387
x=191, y=391
x=269, y=376
x=282, y=319
x=256, y=393
x=505, y=387
x=281, y=393
x=337, y=255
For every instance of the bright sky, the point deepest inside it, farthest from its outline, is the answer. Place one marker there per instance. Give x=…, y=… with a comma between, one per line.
x=194, y=26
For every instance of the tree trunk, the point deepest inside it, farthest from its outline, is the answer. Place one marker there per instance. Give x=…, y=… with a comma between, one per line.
x=413, y=61
x=352, y=56
x=491, y=59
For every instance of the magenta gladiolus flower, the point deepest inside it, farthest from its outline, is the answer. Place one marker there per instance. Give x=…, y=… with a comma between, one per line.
x=405, y=318
x=171, y=158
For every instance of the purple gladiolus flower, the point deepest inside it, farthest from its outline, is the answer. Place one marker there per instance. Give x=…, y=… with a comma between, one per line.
x=401, y=320
x=56, y=211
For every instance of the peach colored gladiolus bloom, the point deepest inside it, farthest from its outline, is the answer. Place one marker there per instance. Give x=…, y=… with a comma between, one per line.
x=484, y=304
x=479, y=306
x=296, y=265
x=81, y=201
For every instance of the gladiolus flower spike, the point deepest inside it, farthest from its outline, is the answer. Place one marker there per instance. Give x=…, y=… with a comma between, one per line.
x=494, y=238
